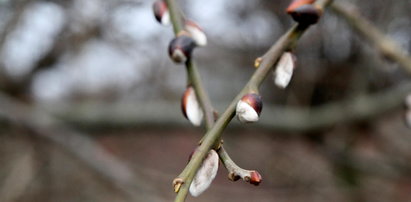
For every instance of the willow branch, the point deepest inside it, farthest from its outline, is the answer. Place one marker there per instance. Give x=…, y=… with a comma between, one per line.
x=384, y=44
x=195, y=80
x=214, y=134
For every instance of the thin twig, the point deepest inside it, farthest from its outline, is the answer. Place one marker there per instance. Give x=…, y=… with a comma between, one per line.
x=293, y=119
x=386, y=45
x=194, y=78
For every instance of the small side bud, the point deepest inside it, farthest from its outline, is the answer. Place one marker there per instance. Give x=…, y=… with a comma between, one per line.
x=190, y=107
x=249, y=108
x=177, y=182
x=257, y=62
x=196, y=32
x=181, y=47
x=306, y=14
x=161, y=12
x=233, y=177
x=284, y=69
x=205, y=175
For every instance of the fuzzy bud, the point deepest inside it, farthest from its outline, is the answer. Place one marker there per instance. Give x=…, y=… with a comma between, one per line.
x=284, y=69
x=205, y=175
x=190, y=107
x=249, y=108
x=181, y=47
x=161, y=12
x=197, y=33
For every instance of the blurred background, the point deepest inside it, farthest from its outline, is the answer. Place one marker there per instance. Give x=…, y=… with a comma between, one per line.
x=89, y=103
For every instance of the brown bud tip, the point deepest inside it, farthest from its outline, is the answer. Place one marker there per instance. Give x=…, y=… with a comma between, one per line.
x=180, y=48
x=306, y=14
x=161, y=13
x=255, y=178
x=297, y=3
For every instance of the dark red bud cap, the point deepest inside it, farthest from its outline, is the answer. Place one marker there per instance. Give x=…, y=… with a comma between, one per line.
x=254, y=100
x=307, y=14
x=255, y=178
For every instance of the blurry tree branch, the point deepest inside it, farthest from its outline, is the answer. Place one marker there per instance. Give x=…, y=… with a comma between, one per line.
x=65, y=41
x=97, y=116
x=358, y=108
x=384, y=44
x=84, y=148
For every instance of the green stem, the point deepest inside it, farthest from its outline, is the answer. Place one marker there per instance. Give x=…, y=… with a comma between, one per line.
x=175, y=16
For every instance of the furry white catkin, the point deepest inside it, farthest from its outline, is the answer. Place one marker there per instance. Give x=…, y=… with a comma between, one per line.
x=205, y=175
